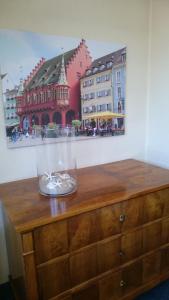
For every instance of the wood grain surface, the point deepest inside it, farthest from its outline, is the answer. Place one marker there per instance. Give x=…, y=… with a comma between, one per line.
x=98, y=186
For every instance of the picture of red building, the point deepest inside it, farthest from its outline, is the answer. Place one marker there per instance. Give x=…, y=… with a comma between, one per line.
x=78, y=93
x=51, y=92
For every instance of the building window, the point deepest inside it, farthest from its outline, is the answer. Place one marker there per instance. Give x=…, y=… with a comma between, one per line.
x=42, y=97
x=93, y=108
x=108, y=92
x=107, y=77
x=103, y=78
x=91, y=96
x=95, y=70
x=97, y=79
x=103, y=93
x=34, y=98
x=103, y=107
x=109, y=64
x=86, y=97
x=118, y=76
x=88, y=82
x=65, y=94
x=98, y=94
x=123, y=57
x=88, y=72
x=48, y=94
x=109, y=106
x=46, y=98
x=98, y=107
x=119, y=92
x=101, y=67
x=119, y=107
x=85, y=110
x=58, y=94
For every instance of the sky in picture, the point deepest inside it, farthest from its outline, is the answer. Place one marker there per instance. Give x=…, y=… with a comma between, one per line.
x=20, y=52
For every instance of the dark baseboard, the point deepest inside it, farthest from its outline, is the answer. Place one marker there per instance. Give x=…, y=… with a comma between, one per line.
x=6, y=292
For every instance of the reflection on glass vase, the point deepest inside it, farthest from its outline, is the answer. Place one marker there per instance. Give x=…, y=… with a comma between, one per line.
x=56, y=164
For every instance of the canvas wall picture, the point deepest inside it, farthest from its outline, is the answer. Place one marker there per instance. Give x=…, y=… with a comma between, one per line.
x=51, y=84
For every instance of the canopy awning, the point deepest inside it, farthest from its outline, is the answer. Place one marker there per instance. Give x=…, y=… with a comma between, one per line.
x=12, y=124
x=102, y=115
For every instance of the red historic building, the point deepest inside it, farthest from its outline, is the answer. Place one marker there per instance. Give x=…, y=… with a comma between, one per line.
x=52, y=90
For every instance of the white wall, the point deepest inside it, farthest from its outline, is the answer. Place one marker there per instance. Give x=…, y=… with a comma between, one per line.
x=110, y=20
x=158, y=124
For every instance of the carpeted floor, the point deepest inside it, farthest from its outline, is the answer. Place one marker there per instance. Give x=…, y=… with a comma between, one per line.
x=161, y=292
x=5, y=292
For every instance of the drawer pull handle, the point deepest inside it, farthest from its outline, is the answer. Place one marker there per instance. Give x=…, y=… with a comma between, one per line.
x=122, y=218
x=121, y=253
x=122, y=283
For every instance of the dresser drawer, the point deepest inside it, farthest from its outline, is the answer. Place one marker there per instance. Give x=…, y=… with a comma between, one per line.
x=165, y=231
x=144, y=209
x=114, y=219
x=109, y=254
x=131, y=277
x=83, y=265
x=110, y=287
x=50, y=241
x=119, y=250
x=83, y=230
x=54, y=277
x=133, y=213
x=131, y=245
x=153, y=206
x=121, y=283
x=89, y=293
x=165, y=260
x=121, y=217
x=109, y=220
x=151, y=266
x=152, y=236
x=164, y=194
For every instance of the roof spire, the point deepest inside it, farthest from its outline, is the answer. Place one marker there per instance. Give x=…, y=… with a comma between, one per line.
x=21, y=83
x=20, y=88
x=62, y=76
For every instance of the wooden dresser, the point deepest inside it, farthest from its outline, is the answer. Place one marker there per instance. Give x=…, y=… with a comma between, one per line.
x=107, y=241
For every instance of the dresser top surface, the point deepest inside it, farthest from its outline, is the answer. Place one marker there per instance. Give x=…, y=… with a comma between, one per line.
x=98, y=186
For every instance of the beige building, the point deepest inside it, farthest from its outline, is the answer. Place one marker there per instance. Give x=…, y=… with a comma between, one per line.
x=96, y=91
x=98, y=85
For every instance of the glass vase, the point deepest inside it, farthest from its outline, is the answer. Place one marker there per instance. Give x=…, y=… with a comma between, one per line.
x=56, y=164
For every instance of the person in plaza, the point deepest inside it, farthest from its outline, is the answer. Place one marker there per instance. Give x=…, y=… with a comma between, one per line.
x=27, y=134
x=93, y=126
x=14, y=134
x=43, y=133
